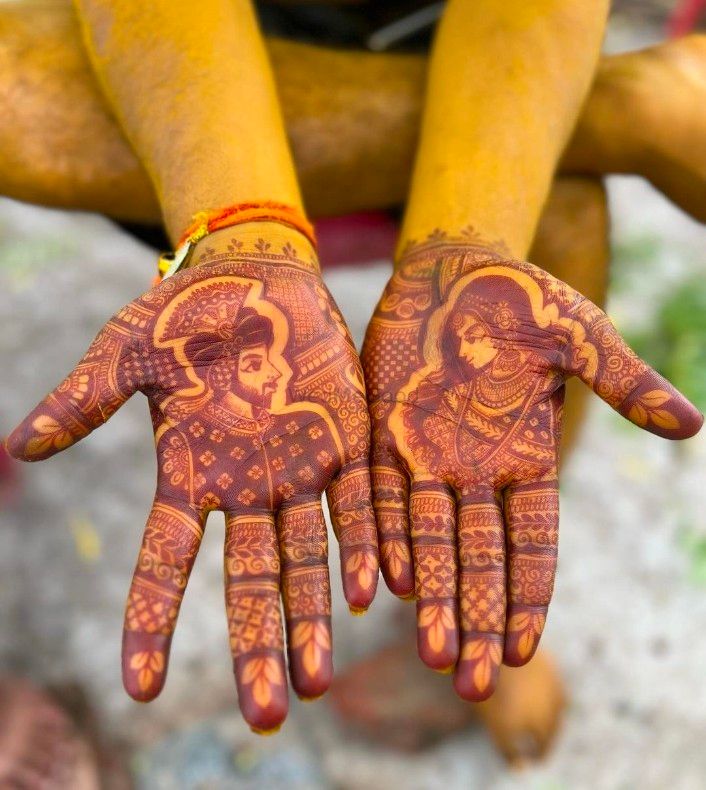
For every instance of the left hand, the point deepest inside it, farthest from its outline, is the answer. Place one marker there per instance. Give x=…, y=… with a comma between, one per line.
x=465, y=362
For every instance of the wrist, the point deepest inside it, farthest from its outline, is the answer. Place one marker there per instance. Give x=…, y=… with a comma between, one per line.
x=274, y=242
x=435, y=249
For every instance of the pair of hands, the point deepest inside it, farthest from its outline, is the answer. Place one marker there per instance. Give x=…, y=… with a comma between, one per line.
x=258, y=406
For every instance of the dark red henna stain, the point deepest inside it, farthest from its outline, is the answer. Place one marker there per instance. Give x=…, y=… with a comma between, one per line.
x=465, y=362
x=258, y=406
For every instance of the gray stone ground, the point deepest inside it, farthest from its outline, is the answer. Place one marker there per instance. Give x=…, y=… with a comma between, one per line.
x=627, y=623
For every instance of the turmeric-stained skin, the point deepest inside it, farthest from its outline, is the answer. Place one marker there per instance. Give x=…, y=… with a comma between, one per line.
x=572, y=244
x=468, y=350
x=258, y=406
x=346, y=113
x=465, y=362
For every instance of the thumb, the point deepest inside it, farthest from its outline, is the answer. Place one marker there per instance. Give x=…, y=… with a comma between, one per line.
x=604, y=361
x=93, y=391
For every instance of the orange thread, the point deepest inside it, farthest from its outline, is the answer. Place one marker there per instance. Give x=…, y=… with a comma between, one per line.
x=206, y=222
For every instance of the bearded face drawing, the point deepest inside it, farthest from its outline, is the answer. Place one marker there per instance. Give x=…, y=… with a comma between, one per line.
x=478, y=409
x=231, y=346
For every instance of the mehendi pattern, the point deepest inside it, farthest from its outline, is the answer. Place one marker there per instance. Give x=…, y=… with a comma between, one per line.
x=465, y=361
x=258, y=406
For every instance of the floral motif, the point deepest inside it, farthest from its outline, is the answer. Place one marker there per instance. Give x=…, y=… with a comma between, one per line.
x=314, y=639
x=262, y=673
x=438, y=619
x=147, y=664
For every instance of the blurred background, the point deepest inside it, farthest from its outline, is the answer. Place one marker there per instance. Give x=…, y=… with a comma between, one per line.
x=626, y=627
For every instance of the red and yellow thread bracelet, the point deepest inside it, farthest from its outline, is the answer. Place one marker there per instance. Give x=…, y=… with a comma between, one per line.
x=205, y=222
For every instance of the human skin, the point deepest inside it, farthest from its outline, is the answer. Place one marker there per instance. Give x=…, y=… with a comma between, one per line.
x=467, y=353
x=254, y=386
x=638, y=118
x=258, y=406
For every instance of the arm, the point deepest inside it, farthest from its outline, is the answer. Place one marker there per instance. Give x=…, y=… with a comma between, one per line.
x=469, y=349
x=505, y=86
x=192, y=87
x=254, y=386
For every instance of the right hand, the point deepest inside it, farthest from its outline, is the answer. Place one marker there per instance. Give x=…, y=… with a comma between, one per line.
x=258, y=406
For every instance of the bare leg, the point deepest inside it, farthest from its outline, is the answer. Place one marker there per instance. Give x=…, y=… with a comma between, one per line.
x=572, y=244
x=639, y=118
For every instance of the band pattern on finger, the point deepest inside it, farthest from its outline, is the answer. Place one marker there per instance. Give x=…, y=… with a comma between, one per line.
x=349, y=499
x=307, y=597
x=254, y=619
x=170, y=543
x=432, y=522
x=482, y=596
x=391, y=505
x=532, y=515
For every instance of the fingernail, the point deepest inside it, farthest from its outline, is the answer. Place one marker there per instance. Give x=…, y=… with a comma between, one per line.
x=265, y=733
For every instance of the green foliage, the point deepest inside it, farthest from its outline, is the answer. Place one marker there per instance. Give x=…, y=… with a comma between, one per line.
x=694, y=544
x=676, y=342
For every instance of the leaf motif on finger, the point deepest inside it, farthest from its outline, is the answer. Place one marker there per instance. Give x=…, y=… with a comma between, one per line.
x=364, y=565
x=486, y=653
x=646, y=408
x=147, y=663
x=262, y=673
x=52, y=435
x=531, y=625
x=395, y=555
x=437, y=619
x=315, y=638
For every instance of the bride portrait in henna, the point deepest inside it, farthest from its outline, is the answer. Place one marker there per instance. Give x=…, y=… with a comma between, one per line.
x=439, y=447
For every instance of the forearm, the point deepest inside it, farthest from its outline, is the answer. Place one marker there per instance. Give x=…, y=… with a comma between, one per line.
x=193, y=90
x=506, y=84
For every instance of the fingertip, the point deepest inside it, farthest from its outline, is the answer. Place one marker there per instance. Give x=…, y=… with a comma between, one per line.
x=437, y=635
x=310, y=686
x=310, y=659
x=145, y=658
x=262, y=690
x=522, y=633
x=693, y=422
x=467, y=690
x=658, y=407
x=15, y=444
x=477, y=672
x=361, y=570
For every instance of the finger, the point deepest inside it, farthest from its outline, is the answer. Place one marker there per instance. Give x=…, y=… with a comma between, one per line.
x=604, y=362
x=532, y=520
x=349, y=501
x=432, y=512
x=254, y=619
x=481, y=554
x=306, y=591
x=169, y=546
x=391, y=505
x=93, y=391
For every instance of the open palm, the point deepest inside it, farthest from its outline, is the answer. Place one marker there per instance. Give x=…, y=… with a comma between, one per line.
x=258, y=406
x=465, y=361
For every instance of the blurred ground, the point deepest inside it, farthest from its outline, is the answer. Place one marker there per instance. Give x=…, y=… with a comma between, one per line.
x=626, y=624
x=628, y=619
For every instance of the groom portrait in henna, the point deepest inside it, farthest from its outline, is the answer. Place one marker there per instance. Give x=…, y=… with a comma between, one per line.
x=465, y=364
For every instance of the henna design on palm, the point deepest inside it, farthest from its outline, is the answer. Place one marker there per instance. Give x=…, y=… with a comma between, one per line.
x=465, y=361
x=258, y=406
